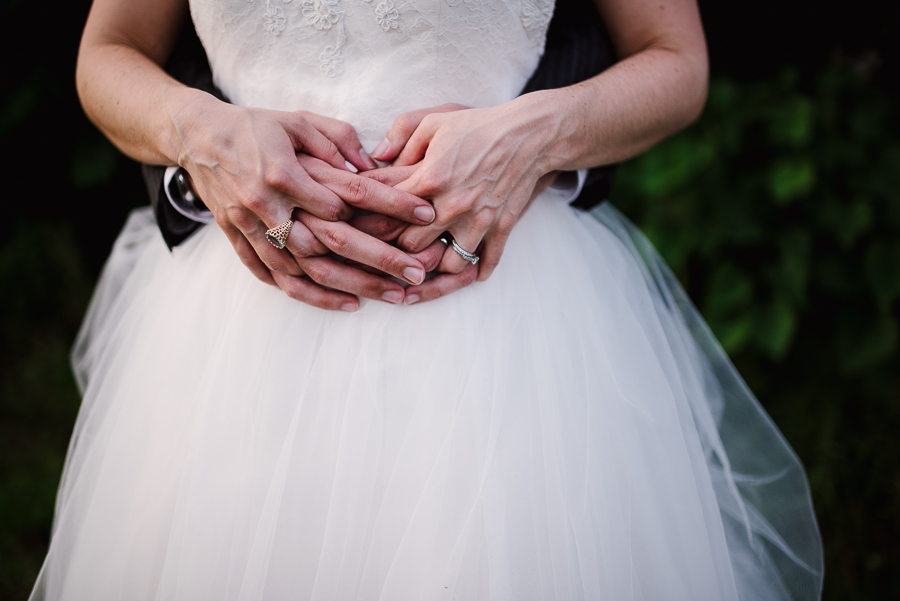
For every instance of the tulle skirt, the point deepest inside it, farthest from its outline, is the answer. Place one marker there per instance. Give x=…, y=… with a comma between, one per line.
x=568, y=430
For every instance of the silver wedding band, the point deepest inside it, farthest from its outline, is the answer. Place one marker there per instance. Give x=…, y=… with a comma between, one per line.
x=278, y=235
x=470, y=257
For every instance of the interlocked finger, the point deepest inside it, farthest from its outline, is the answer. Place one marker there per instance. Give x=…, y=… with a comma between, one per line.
x=379, y=226
x=333, y=274
x=440, y=285
x=254, y=231
x=303, y=290
x=369, y=194
x=247, y=254
x=344, y=137
x=348, y=242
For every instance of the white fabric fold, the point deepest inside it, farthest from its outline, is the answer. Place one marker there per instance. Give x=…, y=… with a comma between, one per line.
x=568, y=430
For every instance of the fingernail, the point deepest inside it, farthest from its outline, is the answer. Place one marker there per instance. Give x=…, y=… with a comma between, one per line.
x=349, y=307
x=413, y=275
x=381, y=148
x=351, y=166
x=412, y=299
x=365, y=158
x=393, y=296
x=425, y=214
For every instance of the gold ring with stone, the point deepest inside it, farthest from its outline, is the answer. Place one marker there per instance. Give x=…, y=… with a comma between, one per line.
x=278, y=235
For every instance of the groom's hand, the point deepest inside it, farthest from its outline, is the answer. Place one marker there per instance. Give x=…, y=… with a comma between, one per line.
x=361, y=242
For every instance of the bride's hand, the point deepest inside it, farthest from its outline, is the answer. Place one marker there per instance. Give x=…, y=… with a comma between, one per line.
x=479, y=167
x=481, y=173
x=245, y=166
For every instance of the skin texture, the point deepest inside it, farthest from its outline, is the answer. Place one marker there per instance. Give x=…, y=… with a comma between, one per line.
x=478, y=168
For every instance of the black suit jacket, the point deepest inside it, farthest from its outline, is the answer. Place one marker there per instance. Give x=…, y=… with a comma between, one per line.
x=577, y=49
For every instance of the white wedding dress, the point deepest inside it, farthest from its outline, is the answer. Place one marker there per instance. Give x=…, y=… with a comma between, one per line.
x=568, y=430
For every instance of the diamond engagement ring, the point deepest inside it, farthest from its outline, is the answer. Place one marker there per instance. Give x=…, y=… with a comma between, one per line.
x=278, y=235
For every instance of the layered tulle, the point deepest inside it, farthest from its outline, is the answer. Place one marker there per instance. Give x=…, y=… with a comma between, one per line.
x=568, y=430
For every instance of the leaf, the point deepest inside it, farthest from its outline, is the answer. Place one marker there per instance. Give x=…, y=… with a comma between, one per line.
x=672, y=164
x=790, y=275
x=790, y=179
x=774, y=327
x=733, y=334
x=793, y=123
x=846, y=222
x=728, y=290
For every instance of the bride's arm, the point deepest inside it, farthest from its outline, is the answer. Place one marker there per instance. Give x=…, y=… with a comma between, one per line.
x=480, y=166
x=242, y=160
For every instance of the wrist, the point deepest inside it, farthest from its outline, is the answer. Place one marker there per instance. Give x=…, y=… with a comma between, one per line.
x=187, y=109
x=553, y=128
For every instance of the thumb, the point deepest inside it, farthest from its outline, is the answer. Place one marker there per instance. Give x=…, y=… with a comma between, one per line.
x=402, y=130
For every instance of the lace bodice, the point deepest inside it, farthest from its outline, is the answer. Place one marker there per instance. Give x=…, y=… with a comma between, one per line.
x=367, y=61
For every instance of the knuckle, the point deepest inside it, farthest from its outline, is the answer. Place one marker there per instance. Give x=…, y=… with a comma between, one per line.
x=293, y=289
x=390, y=263
x=346, y=132
x=483, y=220
x=336, y=239
x=236, y=215
x=455, y=207
x=468, y=276
x=430, y=120
x=255, y=201
x=276, y=178
x=302, y=251
x=431, y=181
x=372, y=288
x=405, y=122
x=357, y=189
x=327, y=211
x=506, y=223
x=318, y=271
x=332, y=149
x=385, y=227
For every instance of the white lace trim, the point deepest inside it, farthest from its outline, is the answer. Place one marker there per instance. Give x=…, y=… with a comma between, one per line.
x=386, y=15
x=536, y=15
x=274, y=20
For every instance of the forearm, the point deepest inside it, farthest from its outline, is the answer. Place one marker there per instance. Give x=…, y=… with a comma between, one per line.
x=657, y=88
x=617, y=114
x=122, y=87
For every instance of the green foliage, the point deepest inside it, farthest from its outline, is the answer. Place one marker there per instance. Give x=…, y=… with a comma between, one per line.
x=780, y=213
x=45, y=292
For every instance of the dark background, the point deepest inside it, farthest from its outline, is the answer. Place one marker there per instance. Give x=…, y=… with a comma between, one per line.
x=779, y=211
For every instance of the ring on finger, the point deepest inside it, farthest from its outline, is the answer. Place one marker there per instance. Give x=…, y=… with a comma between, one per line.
x=278, y=235
x=470, y=257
